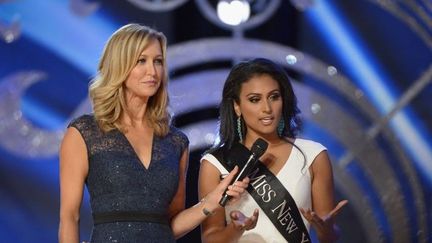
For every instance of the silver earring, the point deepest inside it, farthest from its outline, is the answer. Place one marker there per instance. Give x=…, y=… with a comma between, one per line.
x=239, y=129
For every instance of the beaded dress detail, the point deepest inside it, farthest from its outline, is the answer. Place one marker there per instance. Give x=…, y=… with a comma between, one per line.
x=117, y=181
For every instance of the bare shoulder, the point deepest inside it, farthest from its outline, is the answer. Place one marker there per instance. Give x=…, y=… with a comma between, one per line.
x=321, y=168
x=322, y=160
x=73, y=151
x=72, y=139
x=208, y=167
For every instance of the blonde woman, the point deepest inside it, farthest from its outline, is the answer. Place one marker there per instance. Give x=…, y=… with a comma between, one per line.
x=131, y=159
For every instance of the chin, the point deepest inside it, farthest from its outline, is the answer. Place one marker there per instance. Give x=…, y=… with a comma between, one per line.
x=149, y=93
x=267, y=133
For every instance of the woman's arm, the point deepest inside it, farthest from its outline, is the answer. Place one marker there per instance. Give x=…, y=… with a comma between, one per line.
x=183, y=221
x=214, y=228
x=323, y=205
x=73, y=171
x=178, y=203
x=322, y=185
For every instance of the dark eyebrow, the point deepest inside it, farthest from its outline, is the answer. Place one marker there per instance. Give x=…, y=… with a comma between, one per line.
x=252, y=94
x=273, y=91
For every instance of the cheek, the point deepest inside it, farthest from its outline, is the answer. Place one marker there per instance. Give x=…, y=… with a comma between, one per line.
x=133, y=76
x=249, y=113
x=278, y=108
x=129, y=80
x=160, y=71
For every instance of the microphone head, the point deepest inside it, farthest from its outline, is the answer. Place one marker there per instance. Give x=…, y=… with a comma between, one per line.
x=259, y=147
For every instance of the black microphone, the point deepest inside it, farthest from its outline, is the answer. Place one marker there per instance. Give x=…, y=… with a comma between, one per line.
x=258, y=149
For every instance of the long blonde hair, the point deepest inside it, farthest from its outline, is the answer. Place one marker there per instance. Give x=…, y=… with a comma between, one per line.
x=119, y=57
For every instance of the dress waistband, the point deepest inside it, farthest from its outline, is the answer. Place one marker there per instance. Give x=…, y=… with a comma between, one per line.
x=111, y=217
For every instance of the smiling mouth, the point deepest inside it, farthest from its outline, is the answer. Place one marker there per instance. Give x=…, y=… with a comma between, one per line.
x=267, y=120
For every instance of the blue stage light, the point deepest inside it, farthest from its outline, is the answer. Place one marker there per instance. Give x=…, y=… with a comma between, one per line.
x=363, y=69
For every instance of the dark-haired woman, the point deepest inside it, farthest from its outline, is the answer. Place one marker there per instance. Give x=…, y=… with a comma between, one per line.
x=292, y=188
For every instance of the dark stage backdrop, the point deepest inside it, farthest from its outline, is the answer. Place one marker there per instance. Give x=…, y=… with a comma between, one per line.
x=362, y=71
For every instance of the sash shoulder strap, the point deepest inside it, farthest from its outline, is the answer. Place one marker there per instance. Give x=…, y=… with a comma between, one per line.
x=269, y=193
x=237, y=155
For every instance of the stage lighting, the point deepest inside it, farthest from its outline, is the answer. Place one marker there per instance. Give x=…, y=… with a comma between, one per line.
x=233, y=12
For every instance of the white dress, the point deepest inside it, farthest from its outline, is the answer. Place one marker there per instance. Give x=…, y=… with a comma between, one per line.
x=294, y=176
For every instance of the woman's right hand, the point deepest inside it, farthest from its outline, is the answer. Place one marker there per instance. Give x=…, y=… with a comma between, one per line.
x=211, y=188
x=242, y=222
x=235, y=190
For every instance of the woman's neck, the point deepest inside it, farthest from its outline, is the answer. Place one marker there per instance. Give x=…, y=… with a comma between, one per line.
x=273, y=140
x=134, y=118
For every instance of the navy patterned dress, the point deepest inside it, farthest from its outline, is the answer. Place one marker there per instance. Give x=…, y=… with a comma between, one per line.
x=117, y=181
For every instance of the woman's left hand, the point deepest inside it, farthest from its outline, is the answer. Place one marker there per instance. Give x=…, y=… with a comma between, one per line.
x=324, y=225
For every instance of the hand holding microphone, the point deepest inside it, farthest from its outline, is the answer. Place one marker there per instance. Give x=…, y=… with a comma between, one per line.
x=258, y=149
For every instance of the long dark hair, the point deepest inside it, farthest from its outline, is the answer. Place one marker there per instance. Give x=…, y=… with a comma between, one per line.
x=241, y=73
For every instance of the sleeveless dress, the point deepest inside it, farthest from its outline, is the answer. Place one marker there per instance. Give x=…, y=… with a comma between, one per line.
x=117, y=181
x=294, y=176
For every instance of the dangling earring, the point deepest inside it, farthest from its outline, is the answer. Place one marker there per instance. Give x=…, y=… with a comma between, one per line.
x=239, y=129
x=281, y=127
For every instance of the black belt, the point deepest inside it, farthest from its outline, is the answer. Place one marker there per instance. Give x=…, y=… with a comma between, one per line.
x=111, y=217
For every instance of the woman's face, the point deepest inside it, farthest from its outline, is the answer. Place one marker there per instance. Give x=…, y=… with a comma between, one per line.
x=260, y=105
x=145, y=78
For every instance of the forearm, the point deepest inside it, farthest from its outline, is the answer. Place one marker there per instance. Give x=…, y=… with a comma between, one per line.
x=188, y=220
x=229, y=234
x=330, y=236
x=68, y=231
